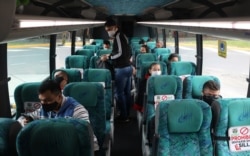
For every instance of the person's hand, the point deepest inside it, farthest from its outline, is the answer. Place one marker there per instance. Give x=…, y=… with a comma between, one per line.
x=104, y=57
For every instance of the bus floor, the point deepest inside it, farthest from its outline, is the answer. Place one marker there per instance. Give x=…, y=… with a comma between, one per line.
x=127, y=138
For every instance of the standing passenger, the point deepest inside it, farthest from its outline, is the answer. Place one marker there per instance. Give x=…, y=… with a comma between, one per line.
x=120, y=58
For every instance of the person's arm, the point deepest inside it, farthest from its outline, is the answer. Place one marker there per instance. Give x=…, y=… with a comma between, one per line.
x=119, y=47
x=81, y=113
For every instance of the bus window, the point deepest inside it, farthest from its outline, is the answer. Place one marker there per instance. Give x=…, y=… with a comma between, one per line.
x=28, y=61
x=232, y=70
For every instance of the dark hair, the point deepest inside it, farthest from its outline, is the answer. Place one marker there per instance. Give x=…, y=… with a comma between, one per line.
x=146, y=47
x=212, y=85
x=172, y=56
x=50, y=85
x=110, y=22
x=142, y=41
x=106, y=42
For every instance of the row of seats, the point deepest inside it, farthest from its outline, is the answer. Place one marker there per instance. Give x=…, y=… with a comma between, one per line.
x=62, y=136
x=168, y=86
x=95, y=93
x=192, y=127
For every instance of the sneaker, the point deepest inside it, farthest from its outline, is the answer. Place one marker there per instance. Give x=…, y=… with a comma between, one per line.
x=122, y=119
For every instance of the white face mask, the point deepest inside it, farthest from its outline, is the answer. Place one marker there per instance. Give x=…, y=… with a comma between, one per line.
x=156, y=73
x=111, y=33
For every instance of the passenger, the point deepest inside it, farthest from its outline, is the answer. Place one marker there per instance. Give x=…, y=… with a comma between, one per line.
x=106, y=45
x=154, y=69
x=172, y=58
x=210, y=92
x=158, y=44
x=120, y=57
x=144, y=49
x=56, y=105
x=61, y=78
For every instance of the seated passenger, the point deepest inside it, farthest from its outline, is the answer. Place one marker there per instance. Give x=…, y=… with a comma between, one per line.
x=210, y=92
x=158, y=44
x=154, y=69
x=172, y=58
x=106, y=45
x=144, y=49
x=55, y=105
x=61, y=78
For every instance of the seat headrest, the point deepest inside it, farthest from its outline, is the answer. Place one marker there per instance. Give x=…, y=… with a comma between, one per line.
x=238, y=112
x=184, y=116
x=86, y=93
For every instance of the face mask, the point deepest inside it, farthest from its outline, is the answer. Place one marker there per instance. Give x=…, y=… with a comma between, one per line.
x=156, y=73
x=111, y=33
x=50, y=107
x=59, y=79
x=209, y=99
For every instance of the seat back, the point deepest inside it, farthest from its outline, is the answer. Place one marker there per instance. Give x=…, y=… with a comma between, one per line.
x=74, y=75
x=86, y=52
x=231, y=115
x=182, y=68
x=93, y=61
x=76, y=61
x=192, y=85
x=183, y=127
x=103, y=76
x=59, y=136
x=91, y=96
x=143, y=58
x=103, y=52
x=161, y=85
x=8, y=134
x=161, y=51
x=93, y=47
x=27, y=92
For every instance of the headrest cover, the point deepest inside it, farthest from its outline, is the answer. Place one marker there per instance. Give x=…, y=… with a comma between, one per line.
x=49, y=138
x=84, y=92
x=197, y=85
x=239, y=112
x=165, y=85
x=184, y=117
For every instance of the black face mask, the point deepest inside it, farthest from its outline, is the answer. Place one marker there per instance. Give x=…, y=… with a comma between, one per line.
x=50, y=107
x=210, y=99
x=59, y=79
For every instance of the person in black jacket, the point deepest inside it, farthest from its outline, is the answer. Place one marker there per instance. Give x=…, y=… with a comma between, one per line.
x=120, y=57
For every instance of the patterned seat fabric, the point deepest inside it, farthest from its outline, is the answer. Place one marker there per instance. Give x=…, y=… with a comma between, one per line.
x=182, y=68
x=76, y=61
x=27, y=92
x=161, y=51
x=59, y=136
x=86, y=52
x=192, y=85
x=8, y=133
x=74, y=75
x=103, y=52
x=228, y=113
x=143, y=58
x=183, y=128
x=91, y=96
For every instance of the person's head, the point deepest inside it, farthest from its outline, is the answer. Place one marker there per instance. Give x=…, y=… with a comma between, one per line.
x=154, y=69
x=210, y=91
x=106, y=44
x=144, y=49
x=50, y=95
x=111, y=27
x=142, y=41
x=159, y=44
x=173, y=57
x=61, y=78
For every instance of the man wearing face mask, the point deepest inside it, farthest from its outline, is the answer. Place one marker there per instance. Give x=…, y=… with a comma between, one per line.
x=56, y=105
x=210, y=92
x=120, y=58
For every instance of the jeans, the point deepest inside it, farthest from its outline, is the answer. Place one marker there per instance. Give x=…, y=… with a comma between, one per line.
x=123, y=77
